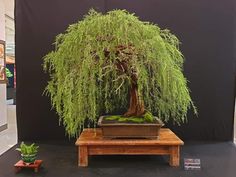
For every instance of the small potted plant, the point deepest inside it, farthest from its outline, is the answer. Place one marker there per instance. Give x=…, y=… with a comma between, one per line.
x=28, y=152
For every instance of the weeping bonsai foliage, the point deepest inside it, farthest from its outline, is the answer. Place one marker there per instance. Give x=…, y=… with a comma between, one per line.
x=115, y=61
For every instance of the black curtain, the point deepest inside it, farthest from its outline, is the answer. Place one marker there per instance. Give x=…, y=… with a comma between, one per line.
x=205, y=28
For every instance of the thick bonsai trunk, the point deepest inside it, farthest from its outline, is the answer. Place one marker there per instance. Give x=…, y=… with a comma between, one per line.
x=136, y=106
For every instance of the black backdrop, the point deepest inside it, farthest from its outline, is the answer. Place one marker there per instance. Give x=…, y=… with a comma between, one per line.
x=205, y=27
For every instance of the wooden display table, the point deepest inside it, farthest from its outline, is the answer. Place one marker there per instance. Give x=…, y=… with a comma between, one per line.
x=91, y=142
x=20, y=164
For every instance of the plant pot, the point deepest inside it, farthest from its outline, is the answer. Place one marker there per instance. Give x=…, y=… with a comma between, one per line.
x=28, y=159
x=115, y=129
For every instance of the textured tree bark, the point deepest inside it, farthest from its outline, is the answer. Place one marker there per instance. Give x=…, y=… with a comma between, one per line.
x=136, y=105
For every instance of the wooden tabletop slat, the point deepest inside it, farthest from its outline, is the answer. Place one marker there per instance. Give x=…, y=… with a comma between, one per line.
x=94, y=137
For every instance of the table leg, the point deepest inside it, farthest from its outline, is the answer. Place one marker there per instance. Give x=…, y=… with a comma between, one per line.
x=36, y=169
x=174, y=156
x=83, y=156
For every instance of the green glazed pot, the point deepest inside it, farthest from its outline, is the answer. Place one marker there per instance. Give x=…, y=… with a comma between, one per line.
x=28, y=158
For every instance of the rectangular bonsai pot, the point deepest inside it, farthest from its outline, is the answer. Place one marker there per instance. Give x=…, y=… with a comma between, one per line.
x=117, y=129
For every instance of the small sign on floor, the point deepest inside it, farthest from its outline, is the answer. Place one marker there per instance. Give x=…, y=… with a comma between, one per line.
x=192, y=164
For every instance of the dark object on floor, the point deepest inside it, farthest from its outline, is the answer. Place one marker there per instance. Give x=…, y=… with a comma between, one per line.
x=91, y=142
x=20, y=164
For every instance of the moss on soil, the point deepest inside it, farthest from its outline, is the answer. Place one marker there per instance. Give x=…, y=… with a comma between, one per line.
x=147, y=117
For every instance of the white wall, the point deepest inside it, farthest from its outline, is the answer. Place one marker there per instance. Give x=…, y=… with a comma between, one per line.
x=2, y=20
x=9, y=7
x=3, y=106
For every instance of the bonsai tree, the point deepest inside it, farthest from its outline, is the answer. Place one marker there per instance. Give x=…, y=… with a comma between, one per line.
x=112, y=62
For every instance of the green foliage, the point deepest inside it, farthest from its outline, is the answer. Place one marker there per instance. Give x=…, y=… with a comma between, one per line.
x=28, y=149
x=8, y=73
x=120, y=118
x=85, y=80
x=147, y=117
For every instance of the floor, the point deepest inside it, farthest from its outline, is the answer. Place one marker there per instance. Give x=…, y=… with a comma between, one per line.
x=235, y=131
x=235, y=123
x=218, y=159
x=60, y=159
x=8, y=137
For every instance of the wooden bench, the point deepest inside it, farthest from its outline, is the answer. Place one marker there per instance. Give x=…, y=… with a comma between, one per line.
x=91, y=142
